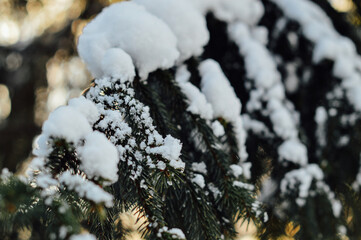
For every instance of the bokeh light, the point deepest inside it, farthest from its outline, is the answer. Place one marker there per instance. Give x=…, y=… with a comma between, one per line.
x=342, y=5
x=5, y=102
x=20, y=26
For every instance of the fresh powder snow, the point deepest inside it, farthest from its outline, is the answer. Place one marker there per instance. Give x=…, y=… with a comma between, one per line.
x=99, y=158
x=129, y=27
x=187, y=24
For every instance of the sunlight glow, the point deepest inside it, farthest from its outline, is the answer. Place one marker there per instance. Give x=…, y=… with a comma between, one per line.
x=342, y=5
x=5, y=102
x=21, y=26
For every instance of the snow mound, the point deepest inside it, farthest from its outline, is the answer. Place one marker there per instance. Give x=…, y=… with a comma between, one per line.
x=188, y=25
x=196, y=99
x=220, y=94
x=129, y=27
x=85, y=107
x=86, y=188
x=218, y=91
x=247, y=11
x=118, y=64
x=67, y=123
x=99, y=157
x=293, y=150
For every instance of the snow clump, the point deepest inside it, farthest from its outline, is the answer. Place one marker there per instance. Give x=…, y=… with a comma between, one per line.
x=187, y=24
x=66, y=123
x=86, y=188
x=99, y=158
x=129, y=27
x=216, y=86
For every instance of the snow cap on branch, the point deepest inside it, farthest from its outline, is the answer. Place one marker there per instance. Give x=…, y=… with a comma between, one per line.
x=219, y=91
x=86, y=188
x=171, y=150
x=247, y=11
x=99, y=157
x=329, y=44
x=188, y=25
x=86, y=236
x=196, y=99
x=111, y=66
x=129, y=27
x=67, y=123
x=294, y=151
x=85, y=107
x=220, y=94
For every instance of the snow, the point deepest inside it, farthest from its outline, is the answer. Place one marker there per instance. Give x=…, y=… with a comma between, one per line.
x=302, y=176
x=41, y=146
x=340, y=49
x=329, y=44
x=236, y=170
x=63, y=231
x=265, y=217
x=283, y=122
x=5, y=175
x=204, y=6
x=246, y=186
x=354, y=93
x=305, y=177
x=220, y=94
x=321, y=115
x=336, y=207
x=320, y=119
x=342, y=230
x=269, y=188
x=195, y=98
x=292, y=81
x=277, y=91
x=294, y=151
x=175, y=232
x=261, y=69
x=85, y=107
x=260, y=34
x=214, y=190
x=86, y=236
x=255, y=126
x=199, y=167
x=246, y=166
x=343, y=67
x=67, y=123
x=99, y=158
x=259, y=63
x=161, y=165
x=218, y=91
x=187, y=24
x=199, y=180
x=171, y=150
x=45, y=181
x=247, y=11
x=129, y=27
x=218, y=129
x=86, y=189
x=151, y=142
x=118, y=64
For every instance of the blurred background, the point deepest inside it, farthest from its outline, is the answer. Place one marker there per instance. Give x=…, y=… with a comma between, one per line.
x=40, y=69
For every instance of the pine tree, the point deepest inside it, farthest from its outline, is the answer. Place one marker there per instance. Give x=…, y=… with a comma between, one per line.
x=202, y=115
